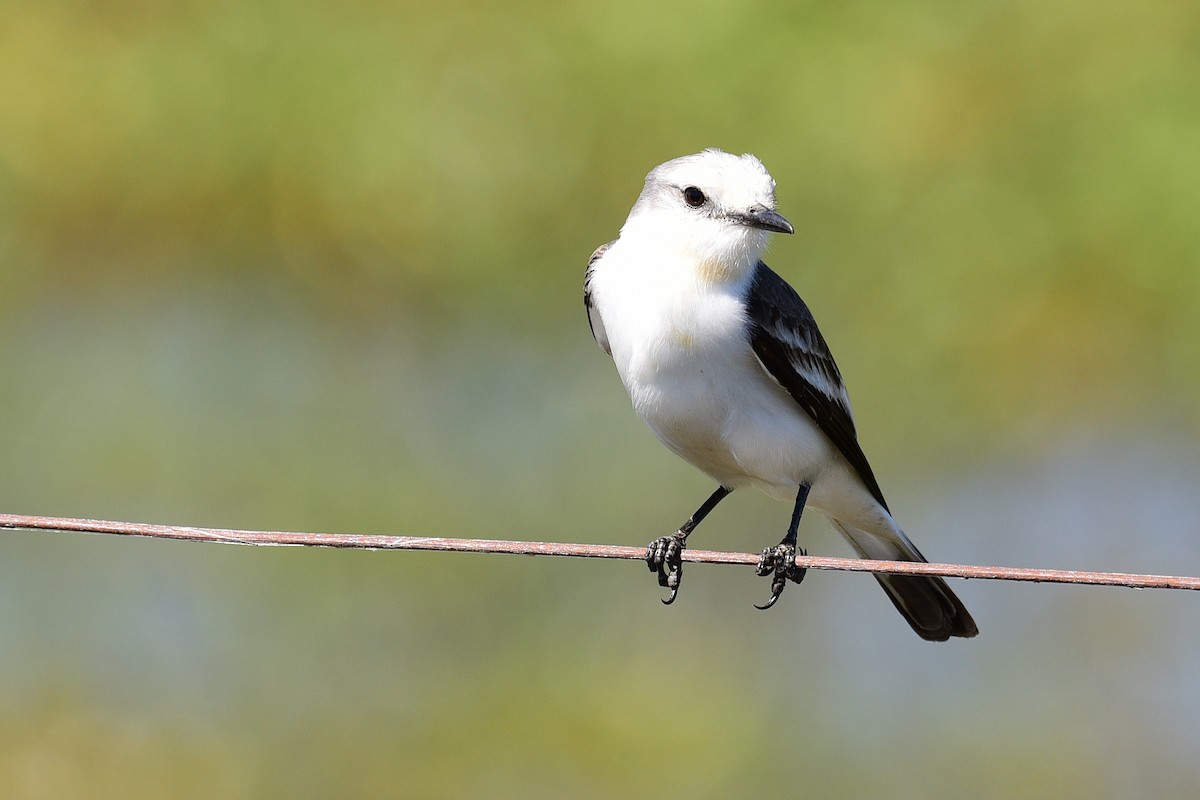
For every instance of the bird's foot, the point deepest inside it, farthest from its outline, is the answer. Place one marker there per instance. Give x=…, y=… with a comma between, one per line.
x=665, y=556
x=780, y=560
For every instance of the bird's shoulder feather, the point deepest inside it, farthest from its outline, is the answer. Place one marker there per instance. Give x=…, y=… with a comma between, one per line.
x=785, y=338
x=595, y=322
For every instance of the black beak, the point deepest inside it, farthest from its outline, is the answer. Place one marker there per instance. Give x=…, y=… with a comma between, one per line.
x=766, y=219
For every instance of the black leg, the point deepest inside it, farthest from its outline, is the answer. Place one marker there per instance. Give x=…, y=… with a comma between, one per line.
x=720, y=494
x=665, y=554
x=781, y=559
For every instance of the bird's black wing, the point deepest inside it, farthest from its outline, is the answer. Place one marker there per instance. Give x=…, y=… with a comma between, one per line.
x=790, y=347
x=593, y=313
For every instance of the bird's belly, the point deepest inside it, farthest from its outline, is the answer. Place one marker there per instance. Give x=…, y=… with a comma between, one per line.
x=715, y=406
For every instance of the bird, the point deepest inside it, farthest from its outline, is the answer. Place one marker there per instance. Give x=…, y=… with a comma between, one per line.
x=725, y=363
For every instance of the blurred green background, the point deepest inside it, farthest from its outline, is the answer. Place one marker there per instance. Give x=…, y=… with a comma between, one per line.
x=318, y=266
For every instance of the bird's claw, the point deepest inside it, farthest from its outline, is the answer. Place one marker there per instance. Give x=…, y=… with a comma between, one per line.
x=780, y=560
x=665, y=556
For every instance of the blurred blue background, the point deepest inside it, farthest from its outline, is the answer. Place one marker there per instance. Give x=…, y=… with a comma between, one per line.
x=318, y=266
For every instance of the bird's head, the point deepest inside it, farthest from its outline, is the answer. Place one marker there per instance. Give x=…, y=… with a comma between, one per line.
x=714, y=206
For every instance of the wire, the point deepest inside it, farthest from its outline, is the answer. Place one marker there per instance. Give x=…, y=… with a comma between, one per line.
x=373, y=542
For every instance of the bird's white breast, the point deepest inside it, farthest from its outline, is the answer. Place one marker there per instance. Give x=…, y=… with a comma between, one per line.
x=678, y=332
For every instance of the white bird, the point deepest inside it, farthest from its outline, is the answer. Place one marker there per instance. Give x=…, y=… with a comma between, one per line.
x=725, y=363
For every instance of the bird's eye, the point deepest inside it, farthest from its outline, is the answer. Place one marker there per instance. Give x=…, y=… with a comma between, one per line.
x=694, y=197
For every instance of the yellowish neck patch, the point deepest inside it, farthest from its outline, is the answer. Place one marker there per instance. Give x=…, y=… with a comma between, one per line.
x=713, y=271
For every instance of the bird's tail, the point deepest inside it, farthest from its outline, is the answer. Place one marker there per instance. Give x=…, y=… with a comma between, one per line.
x=932, y=610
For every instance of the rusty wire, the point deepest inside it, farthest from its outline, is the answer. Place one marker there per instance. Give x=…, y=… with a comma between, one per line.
x=375, y=542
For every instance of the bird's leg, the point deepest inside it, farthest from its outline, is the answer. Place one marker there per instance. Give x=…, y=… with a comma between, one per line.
x=665, y=554
x=781, y=559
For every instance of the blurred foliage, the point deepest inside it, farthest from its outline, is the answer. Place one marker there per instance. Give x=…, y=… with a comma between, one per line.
x=1008, y=182
x=317, y=265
